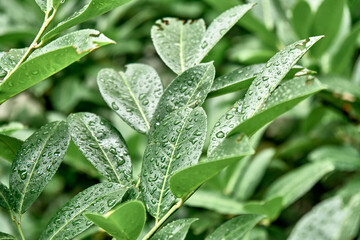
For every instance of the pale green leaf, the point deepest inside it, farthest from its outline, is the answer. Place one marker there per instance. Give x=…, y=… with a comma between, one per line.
x=5, y=197
x=123, y=223
x=92, y=9
x=235, y=228
x=36, y=163
x=9, y=60
x=270, y=208
x=69, y=221
x=9, y=147
x=46, y=61
x=44, y=4
x=219, y=27
x=133, y=95
x=341, y=87
x=177, y=42
x=296, y=183
x=189, y=179
x=5, y=236
x=188, y=89
x=102, y=145
x=176, y=144
x=175, y=230
x=351, y=224
x=301, y=19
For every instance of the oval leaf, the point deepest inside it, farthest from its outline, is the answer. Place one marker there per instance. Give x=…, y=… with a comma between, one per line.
x=176, y=144
x=46, y=61
x=175, y=230
x=9, y=147
x=5, y=197
x=36, y=163
x=69, y=221
x=133, y=95
x=92, y=9
x=235, y=228
x=123, y=223
x=177, y=42
x=102, y=145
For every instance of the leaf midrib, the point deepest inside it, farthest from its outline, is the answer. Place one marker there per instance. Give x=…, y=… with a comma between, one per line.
x=35, y=164
x=5, y=200
x=181, y=53
x=198, y=84
x=135, y=100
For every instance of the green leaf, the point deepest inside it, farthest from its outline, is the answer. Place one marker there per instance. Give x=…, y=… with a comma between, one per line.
x=254, y=174
x=188, y=89
x=36, y=163
x=44, y=4
x=176, y=144
x=125, y=222
x=216, y=202
x=271, y=75
x=296, y=183
x=236, y=80
x=46, y=61
x=219, y=27
x=176, y=230
x=351, y=224
x=102, y=145
x=5, y=236
x=5, y=197
x=177, y=42
x=235, y=228
x=285, y=97
x=9, y=147
x=133, y=95
x=271, y=208
x=341, y=87
x=92, y=9
x=69, y=220
x=301, y=18
x=189, y=179
x=343, y=157
x=9, y=60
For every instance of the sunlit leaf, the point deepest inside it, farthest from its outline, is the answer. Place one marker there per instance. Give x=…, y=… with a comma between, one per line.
x=175, y=230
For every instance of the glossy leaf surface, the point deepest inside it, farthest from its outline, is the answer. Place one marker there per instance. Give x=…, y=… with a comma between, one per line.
x=46, y=61
x=9, y=60
x=36, y=163
x=92, y=9
x=102, y=145
x=69, y=221
x=133, y=94
x=178, y=42
x=235, y=228
x=176, y=144
x=5, y=197
x=123, y=223
x=9, y=147
x=175, y=230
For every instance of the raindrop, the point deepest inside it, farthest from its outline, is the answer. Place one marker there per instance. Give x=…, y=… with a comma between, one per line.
x=114, y=106
x=220, y=134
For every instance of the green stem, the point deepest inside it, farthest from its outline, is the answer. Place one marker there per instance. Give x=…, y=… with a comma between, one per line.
x=17, y=223
x=163, y=219
x=35, y=43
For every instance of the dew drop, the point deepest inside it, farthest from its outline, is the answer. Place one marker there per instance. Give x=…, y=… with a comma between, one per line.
x=220, y=134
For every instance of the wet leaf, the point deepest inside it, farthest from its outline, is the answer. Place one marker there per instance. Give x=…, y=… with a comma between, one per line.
x=235, y=228
x=102, y=145
x=133, y=95
x=189, y=179
x=5, y=197
x=9, y=147
x=177, y=42
x=123, y=223
x=176, y=144
x=46, y=61
x=296, y=183
x=9, y=60
x=219, y=27
x=36, y=163
x=92, y=9
x=188, y=89
x=45, y=5
x=176, y=230
x=5, y=236
x=69, y=221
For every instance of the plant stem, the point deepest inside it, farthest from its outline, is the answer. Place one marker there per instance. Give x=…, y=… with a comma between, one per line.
x=17, y=223
x=163, y=219
x=35, y=43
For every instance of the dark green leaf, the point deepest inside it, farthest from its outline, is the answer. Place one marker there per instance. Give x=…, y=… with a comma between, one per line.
x=5, y=197
x=235, y=228
x=69, y=220
x=124, y=223
x=175, y=230
x=36, y=163
x=50, y=59
x=133, y=95
x=9, y=147
x=189, y=179
x=177, y=42
x=188, y=89
x=92, y=9
x=5, y=236
x=102, y=145
x=176, y=144
x=271, y=208
x=296, y=183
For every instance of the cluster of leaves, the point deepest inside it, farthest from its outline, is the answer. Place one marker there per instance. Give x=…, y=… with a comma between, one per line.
x=175, y=168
